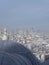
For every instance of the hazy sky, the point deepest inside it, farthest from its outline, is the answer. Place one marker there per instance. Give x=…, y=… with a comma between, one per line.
x=24, y=14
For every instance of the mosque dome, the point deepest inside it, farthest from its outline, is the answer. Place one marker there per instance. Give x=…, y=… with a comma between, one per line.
x=15, y=49
x=9, y=59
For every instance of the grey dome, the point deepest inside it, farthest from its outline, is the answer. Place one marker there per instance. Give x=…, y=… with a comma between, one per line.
x=8, y=59
x=16, y=48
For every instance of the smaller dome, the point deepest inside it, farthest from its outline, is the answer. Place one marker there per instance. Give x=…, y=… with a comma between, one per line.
x=46, y=62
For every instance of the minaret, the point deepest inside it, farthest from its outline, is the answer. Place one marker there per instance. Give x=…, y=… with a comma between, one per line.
x=4, y=34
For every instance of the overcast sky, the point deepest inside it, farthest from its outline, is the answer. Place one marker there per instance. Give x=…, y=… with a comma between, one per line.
x=24, y=14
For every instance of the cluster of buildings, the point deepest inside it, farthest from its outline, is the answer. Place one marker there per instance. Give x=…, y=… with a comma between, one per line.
x=37, y=42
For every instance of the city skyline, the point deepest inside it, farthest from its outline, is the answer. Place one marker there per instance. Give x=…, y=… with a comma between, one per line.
x=24, y=14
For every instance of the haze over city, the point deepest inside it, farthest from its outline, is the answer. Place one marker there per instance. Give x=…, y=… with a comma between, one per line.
x=24, y=14
x=24, y=32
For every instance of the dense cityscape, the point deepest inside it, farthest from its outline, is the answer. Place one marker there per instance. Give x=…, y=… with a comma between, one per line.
x=37, y=42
